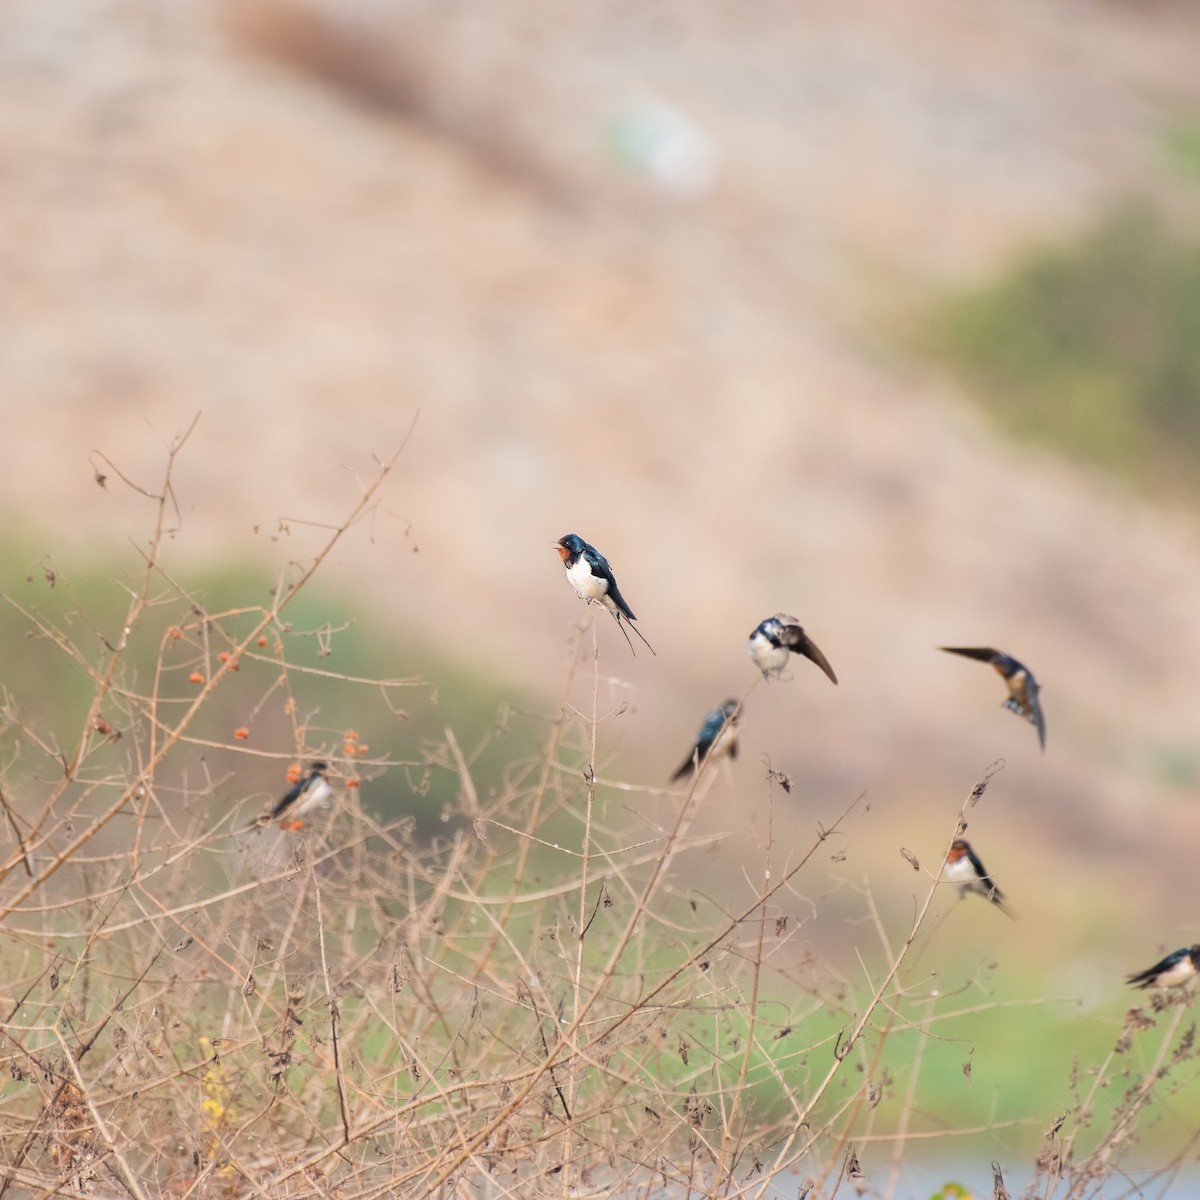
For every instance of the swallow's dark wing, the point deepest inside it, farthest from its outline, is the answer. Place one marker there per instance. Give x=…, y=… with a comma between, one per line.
x=598, y=565
x=1147, y=978
x=1022, y=687
x=1035, y=712
x=601, y=570
x=988, y=884
x=708, y=735
x=688, y=764
x=1023, y=699
x=982, y=653
x=1010, y=668
x=694, y=759
x=713, y=725
x=978, y=867
x=290, y=797
x=614, y=593
x=996, y=896
x=796, y=640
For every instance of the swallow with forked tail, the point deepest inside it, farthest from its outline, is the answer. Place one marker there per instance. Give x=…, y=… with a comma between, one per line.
x=592, y=578
x=775, y=638
x=964, y=869
x=1176, y=969
x=1023, y=689
x=717, y=739
x=310, y=794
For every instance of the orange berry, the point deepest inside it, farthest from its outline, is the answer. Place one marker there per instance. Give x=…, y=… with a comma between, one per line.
x=350, y=735
x=348, y=749
x=293, y=773
x=224, y=656
x=363, y=747
x=262, y=641
x=241, y=733
x=175, y=633
x=195, y=677
x=352, y=783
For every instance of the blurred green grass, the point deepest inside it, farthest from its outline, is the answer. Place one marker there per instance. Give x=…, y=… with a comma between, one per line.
x=1092, y=349
x=1182, y=140
x=324, y=632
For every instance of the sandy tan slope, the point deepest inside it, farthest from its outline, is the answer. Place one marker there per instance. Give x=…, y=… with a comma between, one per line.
x=314, y=226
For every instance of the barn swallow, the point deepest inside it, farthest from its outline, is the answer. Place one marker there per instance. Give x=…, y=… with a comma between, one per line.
x=775, y=638
x=590, y=575
x=310, y=793
x=717, y=738
x=1022, y=687
x=964, y=869
x=1176, y=969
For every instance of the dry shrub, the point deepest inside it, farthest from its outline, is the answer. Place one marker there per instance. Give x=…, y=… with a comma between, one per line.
x=519, y=1006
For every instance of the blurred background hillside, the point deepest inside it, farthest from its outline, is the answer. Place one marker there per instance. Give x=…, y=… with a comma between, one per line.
x=774, y=304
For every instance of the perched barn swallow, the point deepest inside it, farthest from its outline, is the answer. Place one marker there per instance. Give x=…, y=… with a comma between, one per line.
x=964, y=869
x=310, y=793
x=775, y=638
x=1176, y=969
x=590, y=575
x=1022, y=687
x=717, y=738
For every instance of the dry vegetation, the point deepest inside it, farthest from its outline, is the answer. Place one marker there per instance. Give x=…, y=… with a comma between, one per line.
x=525, y=1005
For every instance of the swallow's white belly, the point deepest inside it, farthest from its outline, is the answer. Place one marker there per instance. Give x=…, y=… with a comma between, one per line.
x=589, y=586
x=318, y=796
x=960, y=871
x=767, y=657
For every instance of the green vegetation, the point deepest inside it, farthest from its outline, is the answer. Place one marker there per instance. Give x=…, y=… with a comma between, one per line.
x=1183, y=145
x=1093, y=349
x=326, y=639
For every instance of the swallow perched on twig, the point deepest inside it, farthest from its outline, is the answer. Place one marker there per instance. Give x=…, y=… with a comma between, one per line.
x=310, y=793
x=1173, y=971
x=775, y=638
x=963, y=868
x=590, y=575
x=1022, y=687
x=716, y=739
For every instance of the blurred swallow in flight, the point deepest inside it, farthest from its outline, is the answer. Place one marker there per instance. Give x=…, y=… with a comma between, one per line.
x=716, y=739
x=309, y=794
x=590, y=575
x=775, y=638
x=964, y=869
x=1023, y=689
x=1173, y=971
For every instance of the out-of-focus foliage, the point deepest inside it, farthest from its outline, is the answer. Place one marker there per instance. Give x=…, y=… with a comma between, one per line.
x=1093, y=349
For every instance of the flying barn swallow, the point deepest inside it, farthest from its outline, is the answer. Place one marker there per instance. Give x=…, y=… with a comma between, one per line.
x=590, y=575
x=775, y=638
x=963, y=868
x=309, y=794
x=1176, y=969
x=716, y=739
x=1023, y=689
